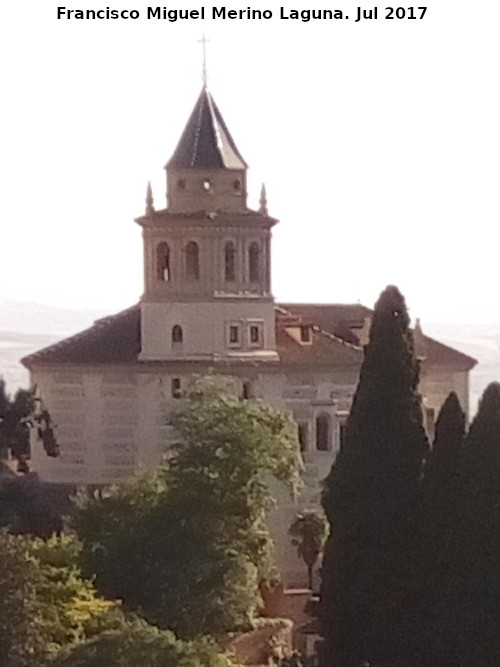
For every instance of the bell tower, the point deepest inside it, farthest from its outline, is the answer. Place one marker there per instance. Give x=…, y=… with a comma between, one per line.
x=207, y=256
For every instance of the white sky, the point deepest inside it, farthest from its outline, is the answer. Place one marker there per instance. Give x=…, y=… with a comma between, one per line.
x=379, y=143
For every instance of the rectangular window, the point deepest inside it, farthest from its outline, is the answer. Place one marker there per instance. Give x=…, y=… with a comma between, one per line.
x=234, y=334
x=255, y=334
x=176, y=387
x=303, y=434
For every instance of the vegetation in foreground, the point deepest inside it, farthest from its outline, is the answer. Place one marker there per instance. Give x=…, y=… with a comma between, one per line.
x=182, y=549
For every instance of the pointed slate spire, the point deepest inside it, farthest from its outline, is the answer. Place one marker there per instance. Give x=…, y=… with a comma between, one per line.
x=263, y=200
x=149, y=200
x=206, y=141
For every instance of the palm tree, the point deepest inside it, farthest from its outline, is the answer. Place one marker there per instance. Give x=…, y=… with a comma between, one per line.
x=308, y=533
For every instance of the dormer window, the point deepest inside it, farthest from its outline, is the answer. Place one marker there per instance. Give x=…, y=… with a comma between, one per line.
x=305, y=334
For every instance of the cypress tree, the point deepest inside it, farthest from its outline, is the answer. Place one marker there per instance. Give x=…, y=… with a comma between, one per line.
x=441, y=479
x=432, y=624
x=474, y=590
x=371, y=495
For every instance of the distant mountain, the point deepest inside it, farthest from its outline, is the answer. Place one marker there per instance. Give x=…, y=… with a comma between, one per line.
x=35, y=318
x=27, y=327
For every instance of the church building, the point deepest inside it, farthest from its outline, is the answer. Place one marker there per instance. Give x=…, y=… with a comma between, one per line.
x=208, y=308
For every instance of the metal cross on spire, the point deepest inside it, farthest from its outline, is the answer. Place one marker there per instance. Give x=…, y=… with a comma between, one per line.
x=204, y=41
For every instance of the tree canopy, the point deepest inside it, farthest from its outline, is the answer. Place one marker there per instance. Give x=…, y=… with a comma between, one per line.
x=135, y=643
x=187, y=547
x=45, y=602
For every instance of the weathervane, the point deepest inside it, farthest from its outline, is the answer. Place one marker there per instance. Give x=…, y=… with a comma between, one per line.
x=203, y=41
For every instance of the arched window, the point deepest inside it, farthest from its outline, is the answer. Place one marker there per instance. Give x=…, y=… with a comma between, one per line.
x=322, y=433
x=177, y=335
x=229, y=262
x=253, y=263
x=192, y=261
x=163, y=262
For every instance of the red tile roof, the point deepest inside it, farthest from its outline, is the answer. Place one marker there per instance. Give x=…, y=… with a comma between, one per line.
x=439, y=354
x=338, y=319
x=117, y=339
x=324, y=350
x=114, y=339
x=343, y=319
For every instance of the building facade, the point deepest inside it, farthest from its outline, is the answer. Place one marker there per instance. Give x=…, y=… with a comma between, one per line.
x=207, y=307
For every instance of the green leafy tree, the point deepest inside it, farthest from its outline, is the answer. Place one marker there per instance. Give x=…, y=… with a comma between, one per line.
x=21, y=640
x=18, y=416
x=27, y=506
x=188, y=546
x=45, y=603
x=308, y=533
x=136, y=643
x=67, y=601
x=371, y=496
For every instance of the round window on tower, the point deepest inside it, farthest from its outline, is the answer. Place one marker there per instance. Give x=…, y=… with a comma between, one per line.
x=181, y=183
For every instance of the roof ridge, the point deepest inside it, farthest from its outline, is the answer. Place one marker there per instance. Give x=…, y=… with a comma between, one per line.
x=328, y=305
x=449, y=347
x=318, y=329
x=338, y=339
x=197, y=132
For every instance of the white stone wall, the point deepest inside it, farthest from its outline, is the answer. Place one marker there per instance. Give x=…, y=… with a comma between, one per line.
x=437, y=383
x=113, y=422
x=206, y=330
x=206, y=190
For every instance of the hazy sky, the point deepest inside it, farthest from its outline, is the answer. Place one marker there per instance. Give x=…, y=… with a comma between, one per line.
x=378, y=142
